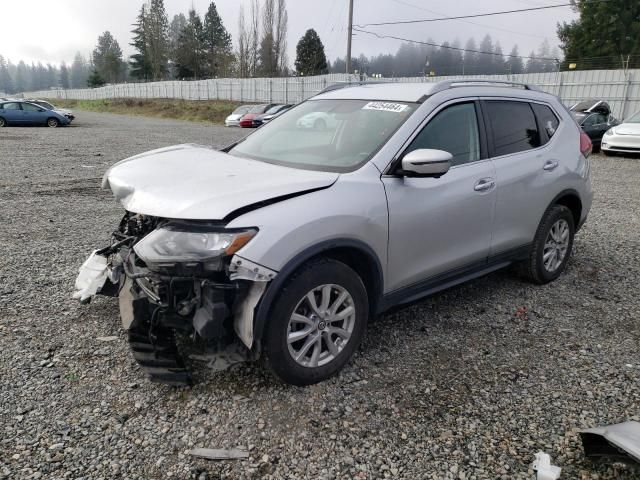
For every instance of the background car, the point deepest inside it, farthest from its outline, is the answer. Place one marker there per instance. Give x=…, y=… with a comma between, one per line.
x=233, y=120
x=623, y=138
x=317, y=121
x=595, y=118
x=267, y=116
x=49, y=106
x=247, y=120
x=27, y=113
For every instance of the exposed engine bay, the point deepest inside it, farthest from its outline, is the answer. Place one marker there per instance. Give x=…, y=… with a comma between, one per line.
x=209, y=298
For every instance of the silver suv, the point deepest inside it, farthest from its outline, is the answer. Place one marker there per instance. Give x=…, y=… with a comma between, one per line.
x=284, y=244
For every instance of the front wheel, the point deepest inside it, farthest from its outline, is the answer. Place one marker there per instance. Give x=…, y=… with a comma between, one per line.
x=3, y=122
x=317, y=322
x=551, y=247
x=53, y=122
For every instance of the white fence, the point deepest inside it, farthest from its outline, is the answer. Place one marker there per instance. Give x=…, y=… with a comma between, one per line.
x=618, y=87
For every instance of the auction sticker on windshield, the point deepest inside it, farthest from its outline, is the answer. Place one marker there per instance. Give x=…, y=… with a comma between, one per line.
x=386, y=107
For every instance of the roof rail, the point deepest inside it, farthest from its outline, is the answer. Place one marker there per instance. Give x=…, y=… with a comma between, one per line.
x=345, y=84
x=447, y=84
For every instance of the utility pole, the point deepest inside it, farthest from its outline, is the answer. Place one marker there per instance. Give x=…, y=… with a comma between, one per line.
x=349, y=36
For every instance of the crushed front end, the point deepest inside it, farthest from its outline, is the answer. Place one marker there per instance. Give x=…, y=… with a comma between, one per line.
x=177, y=278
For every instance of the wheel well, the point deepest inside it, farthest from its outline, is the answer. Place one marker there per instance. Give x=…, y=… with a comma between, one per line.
x=364, y=266
x=573, y=203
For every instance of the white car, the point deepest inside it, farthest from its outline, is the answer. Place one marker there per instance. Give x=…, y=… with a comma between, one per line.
x=233, y=120
x=623, y=138
x=317, y=121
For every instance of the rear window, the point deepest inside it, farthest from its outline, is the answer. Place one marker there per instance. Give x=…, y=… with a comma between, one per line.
x=513, y=126
x=547, y=120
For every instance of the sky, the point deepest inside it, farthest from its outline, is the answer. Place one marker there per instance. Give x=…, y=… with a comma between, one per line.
x=55, y=31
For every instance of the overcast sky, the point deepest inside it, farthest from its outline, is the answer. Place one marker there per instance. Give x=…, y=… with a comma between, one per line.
x=42, y=30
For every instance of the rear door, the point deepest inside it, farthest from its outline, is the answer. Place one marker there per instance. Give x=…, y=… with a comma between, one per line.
x=12, y=113
x=595, y=125
x=440, y=225
x=527, y=168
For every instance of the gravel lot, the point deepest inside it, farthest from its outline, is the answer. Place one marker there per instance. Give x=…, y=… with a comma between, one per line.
x=468, y=384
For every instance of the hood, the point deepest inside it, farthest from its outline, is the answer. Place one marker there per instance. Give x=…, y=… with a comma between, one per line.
x=627, y=129
x=198, y=183
x=63, y=111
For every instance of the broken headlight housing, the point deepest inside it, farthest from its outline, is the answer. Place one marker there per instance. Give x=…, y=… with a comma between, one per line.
x=191, y=246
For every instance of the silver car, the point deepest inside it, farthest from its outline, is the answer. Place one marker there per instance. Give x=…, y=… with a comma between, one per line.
x=283, y=245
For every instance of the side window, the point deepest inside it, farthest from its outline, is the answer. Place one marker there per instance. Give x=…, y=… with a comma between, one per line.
x=11, y=106
x=600, y=118
x=27, y=107
x=546, y=118
x=514, y=127
x=454, y=130
x=590, y=121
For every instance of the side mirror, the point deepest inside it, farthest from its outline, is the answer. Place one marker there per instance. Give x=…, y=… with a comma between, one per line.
x=611, y=120
x=426, y=162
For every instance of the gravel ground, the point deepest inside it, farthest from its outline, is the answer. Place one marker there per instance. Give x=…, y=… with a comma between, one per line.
x=470, y=383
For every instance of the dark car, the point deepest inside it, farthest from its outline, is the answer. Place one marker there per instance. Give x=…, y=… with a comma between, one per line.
x=595, y=118
x=267, y=116
x=247, y=120
x=26, y=113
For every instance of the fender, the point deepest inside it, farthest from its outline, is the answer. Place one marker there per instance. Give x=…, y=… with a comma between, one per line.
x=264, y=306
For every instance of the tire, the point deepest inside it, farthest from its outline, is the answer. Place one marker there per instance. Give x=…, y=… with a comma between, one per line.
x=53, y=122
x=320, y=124
x=556, y=246
x=325, y=278
x=3, y=122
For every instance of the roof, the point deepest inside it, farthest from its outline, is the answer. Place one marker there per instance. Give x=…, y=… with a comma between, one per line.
x=415, y=92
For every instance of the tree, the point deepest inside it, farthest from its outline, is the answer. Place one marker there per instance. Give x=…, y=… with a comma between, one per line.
x=107, y=58
x=243, y=57
x=190, y=50
x=151, y=40
x=64, y=76
x=273, y=44
x=514, y=63
x=603, y=29
x=470, y=62
x=95, y=80
x=310, y=56
x=6, y=82
x=217, y=43
x=79, y=72
x=176, y=26
x=23, y=77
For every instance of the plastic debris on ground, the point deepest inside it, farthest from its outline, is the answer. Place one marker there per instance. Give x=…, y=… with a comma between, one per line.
x=218, y=453
x=545, y=471
x=93, y=274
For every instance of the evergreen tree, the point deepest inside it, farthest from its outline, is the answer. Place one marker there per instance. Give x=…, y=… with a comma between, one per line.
x=485, y=60
x=604, y=29
x=190, y=50
x=140, y=62
x=107, y=58
x=64, y=76
x=470, y=62
x=79, y=72
x=514, y=63
x=6, y=82
x=95, y=79
x=310, y=56
x=23, y=77
x=217, y=43
x=178, y=23
x=157, y=35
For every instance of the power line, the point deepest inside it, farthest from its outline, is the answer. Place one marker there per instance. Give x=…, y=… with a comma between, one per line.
x=504, y=12
x=402, y=2
x=380, y=35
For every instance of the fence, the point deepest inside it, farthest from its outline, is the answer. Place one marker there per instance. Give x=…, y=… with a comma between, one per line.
x=620, y=88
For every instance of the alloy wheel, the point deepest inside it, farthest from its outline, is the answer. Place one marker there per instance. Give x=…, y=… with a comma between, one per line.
x=556, y=245
x=321, y=325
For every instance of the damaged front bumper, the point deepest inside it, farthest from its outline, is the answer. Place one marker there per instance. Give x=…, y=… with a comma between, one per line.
x=214, y=308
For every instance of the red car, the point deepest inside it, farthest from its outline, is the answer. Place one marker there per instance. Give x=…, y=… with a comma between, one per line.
x=247, y=120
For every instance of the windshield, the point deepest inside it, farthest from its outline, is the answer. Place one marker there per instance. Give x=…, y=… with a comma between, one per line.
x=240, y=110
x=579, y=116
x=46, y=105
x=275, y=109
x=258, y=109
x=328, y=135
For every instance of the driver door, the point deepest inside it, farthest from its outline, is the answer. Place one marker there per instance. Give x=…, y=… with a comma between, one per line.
x=442, y=226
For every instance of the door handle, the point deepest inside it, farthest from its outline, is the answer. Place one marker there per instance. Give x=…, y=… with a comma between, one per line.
x=484, y=184
x=550, y=165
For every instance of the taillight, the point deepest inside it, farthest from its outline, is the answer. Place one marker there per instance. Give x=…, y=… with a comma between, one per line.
x=585, y=144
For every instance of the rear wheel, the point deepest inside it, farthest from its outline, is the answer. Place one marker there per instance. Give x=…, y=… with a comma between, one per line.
x=3, y=122
x=53, y=122
x=551, y=247
x=317, y=323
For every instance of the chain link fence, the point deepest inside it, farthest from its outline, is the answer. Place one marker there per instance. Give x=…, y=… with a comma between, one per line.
x=620, y=88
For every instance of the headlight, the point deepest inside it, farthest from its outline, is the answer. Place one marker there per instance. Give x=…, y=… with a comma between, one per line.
x=169, y=245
